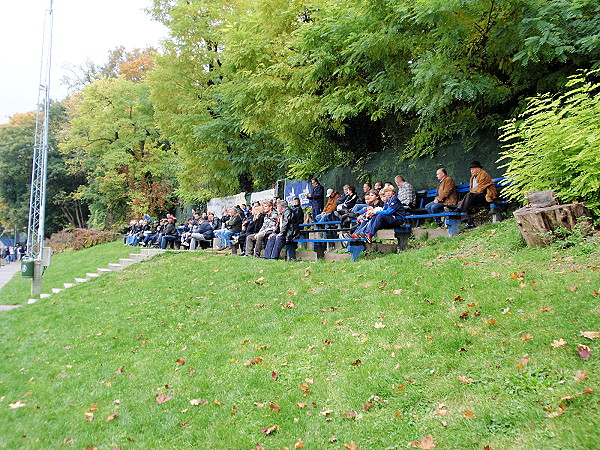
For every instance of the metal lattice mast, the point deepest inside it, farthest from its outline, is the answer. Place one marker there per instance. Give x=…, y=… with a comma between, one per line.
x=37, y=199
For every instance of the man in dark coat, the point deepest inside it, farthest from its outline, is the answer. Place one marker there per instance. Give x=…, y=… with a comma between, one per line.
x=317, y=197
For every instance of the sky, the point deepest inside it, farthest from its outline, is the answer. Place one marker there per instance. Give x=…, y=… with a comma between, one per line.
x=83, y=30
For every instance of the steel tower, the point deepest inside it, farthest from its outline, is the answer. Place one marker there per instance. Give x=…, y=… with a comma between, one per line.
x=37, y=199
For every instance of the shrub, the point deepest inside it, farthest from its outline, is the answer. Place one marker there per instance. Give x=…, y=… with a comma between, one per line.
x=555, y=144
x=79, y=238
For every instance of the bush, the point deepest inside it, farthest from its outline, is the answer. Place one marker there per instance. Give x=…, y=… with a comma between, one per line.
x=79, y=238
x=555, y=144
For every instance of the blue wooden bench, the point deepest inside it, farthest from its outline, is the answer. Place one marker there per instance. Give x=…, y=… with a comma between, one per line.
x=496, y=208
x=356, y=246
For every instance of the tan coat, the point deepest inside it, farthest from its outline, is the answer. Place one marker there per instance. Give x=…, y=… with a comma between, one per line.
x=446, y=192
x=331, y=204
x=484, y=184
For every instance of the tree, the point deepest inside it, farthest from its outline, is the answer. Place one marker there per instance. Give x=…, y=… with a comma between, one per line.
x=111, y=137
x=555, y=144
x=16, y=151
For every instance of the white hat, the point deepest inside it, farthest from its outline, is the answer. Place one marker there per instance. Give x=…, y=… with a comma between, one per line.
x=329, y=192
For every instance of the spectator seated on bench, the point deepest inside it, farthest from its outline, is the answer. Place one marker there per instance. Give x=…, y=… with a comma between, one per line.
x=391, y=216
x=254, y=241
x=252, y=224
x=233, y=226
x=446, y=194
x=169, y=233
x=482, y=190
x=287, y=230
x=201, y=235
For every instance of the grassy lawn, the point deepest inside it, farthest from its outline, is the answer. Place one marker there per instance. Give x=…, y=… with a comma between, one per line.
x=472, y=341
x=66, y=266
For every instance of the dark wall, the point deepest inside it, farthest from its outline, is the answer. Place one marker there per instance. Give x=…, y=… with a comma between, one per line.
x=420, y=172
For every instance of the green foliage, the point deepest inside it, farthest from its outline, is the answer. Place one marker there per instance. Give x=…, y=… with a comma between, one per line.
x=112, y=138
x=16, y=150
x=555, y=144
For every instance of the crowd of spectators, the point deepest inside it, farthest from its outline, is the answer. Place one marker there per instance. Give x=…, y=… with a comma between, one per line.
x=271, y=225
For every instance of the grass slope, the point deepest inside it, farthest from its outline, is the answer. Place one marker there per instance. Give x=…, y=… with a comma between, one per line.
x=453, y=340
x=65, y=267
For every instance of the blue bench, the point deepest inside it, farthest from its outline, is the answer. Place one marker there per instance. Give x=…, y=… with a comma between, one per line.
x=496, y=208
x=356, y=246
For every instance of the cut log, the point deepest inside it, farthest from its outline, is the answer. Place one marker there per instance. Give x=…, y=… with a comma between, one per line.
x=537, y=223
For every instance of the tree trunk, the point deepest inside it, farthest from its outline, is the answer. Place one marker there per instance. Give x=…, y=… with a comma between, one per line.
x=537, y=223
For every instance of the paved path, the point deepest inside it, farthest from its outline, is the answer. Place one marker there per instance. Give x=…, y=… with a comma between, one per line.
x=6, y=273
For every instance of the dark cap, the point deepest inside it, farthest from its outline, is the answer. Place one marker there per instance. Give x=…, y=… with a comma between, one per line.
x=475, y=164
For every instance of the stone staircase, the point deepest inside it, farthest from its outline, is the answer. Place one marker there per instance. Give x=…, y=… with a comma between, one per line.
x=145, y=253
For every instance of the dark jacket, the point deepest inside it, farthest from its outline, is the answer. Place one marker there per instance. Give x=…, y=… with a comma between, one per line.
x=205, y=229
x=234, y=223
x=318, y=196
x=287, y=226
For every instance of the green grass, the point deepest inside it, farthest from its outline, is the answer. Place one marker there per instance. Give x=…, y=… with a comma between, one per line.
x=381, y=337
x=65, y=267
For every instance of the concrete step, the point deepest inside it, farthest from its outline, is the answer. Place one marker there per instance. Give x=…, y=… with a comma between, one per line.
x=56, y=290
x=68, y=285
x=149, y=252
x=81, y=280
x=31, y=301
x=126, y=261
x=115, y=267
x=102, y=271
x=137, y=257
x=45, y=295
x=92, y=275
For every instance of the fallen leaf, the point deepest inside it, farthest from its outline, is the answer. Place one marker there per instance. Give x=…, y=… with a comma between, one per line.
x=581, y=375
x=401, y=387
x=398, y=414
x=253, y=361
x=379, y=325
x=307, y=272
x=301, y=405
x=333, y=439
x=274, y=376
x=198, y=401
x=180, y=362
x=469, y=414
x=526, y=337
x=89, y=416
x=162, y=398
x=572, y=288
x=358, y=362
x=351, y=446
x=120, y=370
x=590, y=334
x=554, y=414
x=425, y=443
x=234, y=410
x=94, y=407
x=299, y=444
x=269, y=430
x=584, y=392
x=326, y=412
x=350, y=414
x=584, y=351
x=112, y=417
x=17, y=404
x=546, y=308
x=274, y=407
x=305, y=388
x=558, y=343
x=464, y=379
x=523, y=362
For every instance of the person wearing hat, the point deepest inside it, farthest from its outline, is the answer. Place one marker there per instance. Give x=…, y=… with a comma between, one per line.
x=332, y=196
x=482, y=191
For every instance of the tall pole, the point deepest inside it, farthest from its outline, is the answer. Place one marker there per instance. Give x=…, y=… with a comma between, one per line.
x=37, y=199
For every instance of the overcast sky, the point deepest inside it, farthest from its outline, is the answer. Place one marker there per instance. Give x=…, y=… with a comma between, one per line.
x=83, y=29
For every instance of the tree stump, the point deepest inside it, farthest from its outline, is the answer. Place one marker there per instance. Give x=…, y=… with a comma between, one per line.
x=536, y=223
